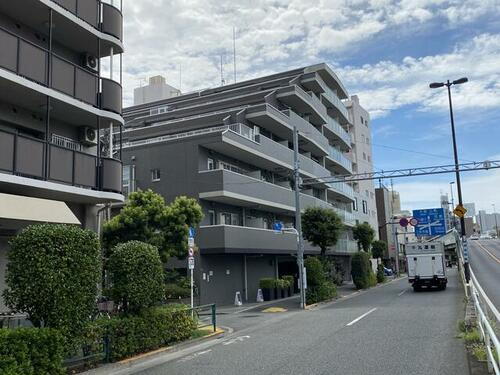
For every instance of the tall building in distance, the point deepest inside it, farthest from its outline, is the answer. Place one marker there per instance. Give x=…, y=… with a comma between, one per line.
x=471, y=209
x=55, y=101
x=231, y=147
x=157, y=89
x=365, y=207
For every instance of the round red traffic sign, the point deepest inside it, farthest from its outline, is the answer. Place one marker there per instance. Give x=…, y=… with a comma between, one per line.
x=413, y=222
x=403, y=222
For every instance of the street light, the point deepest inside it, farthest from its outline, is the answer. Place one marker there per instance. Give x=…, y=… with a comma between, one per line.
x=495, y=214
x=448, y=85
x=453, y=205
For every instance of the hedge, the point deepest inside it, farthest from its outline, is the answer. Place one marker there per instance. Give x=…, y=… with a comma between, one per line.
x=267, y=283
x=380, y=273
x=318, y=287
x=361, y=271
x=151, y=329
x=31, y=351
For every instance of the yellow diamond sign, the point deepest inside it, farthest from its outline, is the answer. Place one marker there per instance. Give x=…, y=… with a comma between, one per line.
x=460, y=211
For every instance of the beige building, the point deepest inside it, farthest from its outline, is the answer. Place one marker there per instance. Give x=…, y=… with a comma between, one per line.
x=157, y=89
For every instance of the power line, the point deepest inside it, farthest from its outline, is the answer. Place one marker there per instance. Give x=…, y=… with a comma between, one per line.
x=418, y=152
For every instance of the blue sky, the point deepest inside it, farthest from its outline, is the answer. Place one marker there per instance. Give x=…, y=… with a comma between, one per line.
x=385, y=51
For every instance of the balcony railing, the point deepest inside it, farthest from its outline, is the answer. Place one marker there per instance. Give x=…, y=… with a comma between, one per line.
x=338, y=156
x=32, y=61
x=333, y=126
x=334, y=99
x=105, y=15
x=342, y=187
x=34, y=158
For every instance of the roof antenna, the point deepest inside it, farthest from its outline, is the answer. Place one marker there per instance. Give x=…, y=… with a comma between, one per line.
x=222, y=80
x=234, y=52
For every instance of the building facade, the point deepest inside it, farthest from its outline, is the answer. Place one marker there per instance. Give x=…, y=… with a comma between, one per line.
x=157, y=89
x=55, y=102
x=231, y=148
x=364, y=206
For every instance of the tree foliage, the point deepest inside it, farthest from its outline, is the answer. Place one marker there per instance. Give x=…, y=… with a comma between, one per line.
x=379, y=249
x=364, y=234
x=52, y=275
x=147, y=218
x=136, y=276
x=319, y=288
x=322, y=227
x=361, y=271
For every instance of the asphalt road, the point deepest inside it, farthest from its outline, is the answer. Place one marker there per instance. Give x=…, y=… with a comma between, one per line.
x=486, y=267
x=386, y=330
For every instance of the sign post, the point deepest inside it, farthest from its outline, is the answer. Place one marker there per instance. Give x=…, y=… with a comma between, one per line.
x=191, y=263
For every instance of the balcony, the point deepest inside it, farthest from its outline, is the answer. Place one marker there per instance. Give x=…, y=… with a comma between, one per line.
x=31, y=61
x=334, y=131
x=333, y=102
x=340, y=190
x=338, y=162
x=226, y=239
x=302, y=102
x=310, y=138
x=270, y=118
x=34, y=159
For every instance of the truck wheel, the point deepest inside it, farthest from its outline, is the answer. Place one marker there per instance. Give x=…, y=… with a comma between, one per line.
x=443, y=287
x=417, y=288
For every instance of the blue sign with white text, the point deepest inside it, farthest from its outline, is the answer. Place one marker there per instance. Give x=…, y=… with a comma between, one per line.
x=191, y=232
x=431, y=222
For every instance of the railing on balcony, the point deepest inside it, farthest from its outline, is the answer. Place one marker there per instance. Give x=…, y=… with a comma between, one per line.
x=104, y=15
x=34, y=158
x=342, y=187
x=335, y=101
x=338, y=156
x=333, y=126
x=32, y=61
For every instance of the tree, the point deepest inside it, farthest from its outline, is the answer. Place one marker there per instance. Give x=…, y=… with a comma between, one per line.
x=52, y=275
x=148, y=219
x=136, y=275
x=322, y=227
x=379, y=249
x=364, y=234
x=361, y=271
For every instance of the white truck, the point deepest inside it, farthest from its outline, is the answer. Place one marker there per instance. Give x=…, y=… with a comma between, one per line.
x=426, y=265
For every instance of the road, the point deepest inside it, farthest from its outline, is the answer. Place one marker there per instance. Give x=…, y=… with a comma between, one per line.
x=386, y=330
x=485, y=262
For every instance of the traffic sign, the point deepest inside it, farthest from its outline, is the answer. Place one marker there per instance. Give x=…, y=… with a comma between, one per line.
x=413, y=222
x=460, y=211
x=191, y=263
x=403, y=222
x=191, y=252
x=466, y=251
x=278, y=226
x=191, y=242
x=431, y=222
x=191, y=232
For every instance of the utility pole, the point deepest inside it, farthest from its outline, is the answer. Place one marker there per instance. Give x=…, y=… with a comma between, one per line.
x=453, y=205
x=448, y=85
x=394, y=229
x=495, y=214
x=298, y=223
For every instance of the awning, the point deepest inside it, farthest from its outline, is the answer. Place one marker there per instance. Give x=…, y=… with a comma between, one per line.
x=20, y=208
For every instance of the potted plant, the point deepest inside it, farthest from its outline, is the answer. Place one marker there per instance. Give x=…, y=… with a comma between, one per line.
x=279, y=288
x=291, y=284
x=268, y=285
x=285, y=291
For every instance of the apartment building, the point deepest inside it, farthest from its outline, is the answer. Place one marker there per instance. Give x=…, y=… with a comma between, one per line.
x=60, y=89
x=231, y=148
x=364, y=206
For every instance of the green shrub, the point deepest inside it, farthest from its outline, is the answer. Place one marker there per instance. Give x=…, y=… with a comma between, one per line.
x=472, y=337
x=323, y=292
x=267, y=283
x=174, y=291
x=149, y=330
x=361, y=271
x=290, y=279
x=52, y=275
x=380, y=273
x=379, y=249
x=31, y=351
x=315, y=272
x=136, y=275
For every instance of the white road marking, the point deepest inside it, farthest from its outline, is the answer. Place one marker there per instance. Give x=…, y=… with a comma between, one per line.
x=193, y=356
x=237, y=339
x=361, y=317
x=403, y=292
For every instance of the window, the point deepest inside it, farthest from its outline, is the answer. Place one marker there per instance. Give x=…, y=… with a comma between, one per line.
x=355, y=204
x=155, y=175
x=362, y=120
x=225, y=218
x=235, y=219
x=367, y=140
x=211, y=217
x=369, y=158
x=367, y=193
x=364, y=156
x=210, y=164
x=317, y=193
x=365, y=207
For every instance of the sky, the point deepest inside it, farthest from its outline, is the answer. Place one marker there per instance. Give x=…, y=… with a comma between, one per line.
x=385, y=51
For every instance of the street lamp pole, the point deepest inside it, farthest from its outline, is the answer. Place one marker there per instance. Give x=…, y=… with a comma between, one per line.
x=453, y=205
x=448, y=85
x=495, y=214
x=298, y=222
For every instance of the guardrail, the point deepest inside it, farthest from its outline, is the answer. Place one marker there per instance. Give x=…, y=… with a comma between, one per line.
x=487, y=317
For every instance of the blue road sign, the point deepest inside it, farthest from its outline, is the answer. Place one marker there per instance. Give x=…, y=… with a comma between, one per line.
x=191, y=232
x=278, y=226
x=431, y=222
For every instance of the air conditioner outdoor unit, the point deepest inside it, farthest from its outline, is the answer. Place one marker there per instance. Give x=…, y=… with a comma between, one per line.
x=88, y=136
x=90, y=62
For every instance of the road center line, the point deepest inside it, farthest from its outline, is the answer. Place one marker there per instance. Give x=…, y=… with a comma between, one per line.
x=490, y=254
x=403, y=292
x=361, y=317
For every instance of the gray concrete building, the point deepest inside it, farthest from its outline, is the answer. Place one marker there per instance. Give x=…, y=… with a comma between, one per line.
x=231, y=148
x=156, y=89
x=361, y=154
x=55, y=100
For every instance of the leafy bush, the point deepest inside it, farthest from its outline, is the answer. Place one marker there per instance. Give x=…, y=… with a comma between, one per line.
x=149, y=330
x=333, y=271
x=380, y=273
x=361, y=271
x=136, y=274
x=379, y=249
x=472, y=337
x=31, y=351
x=267, y=283
x=326, y=291
x=315, y=272
x=52, y=275
x=174, y=291
x=290, y=280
